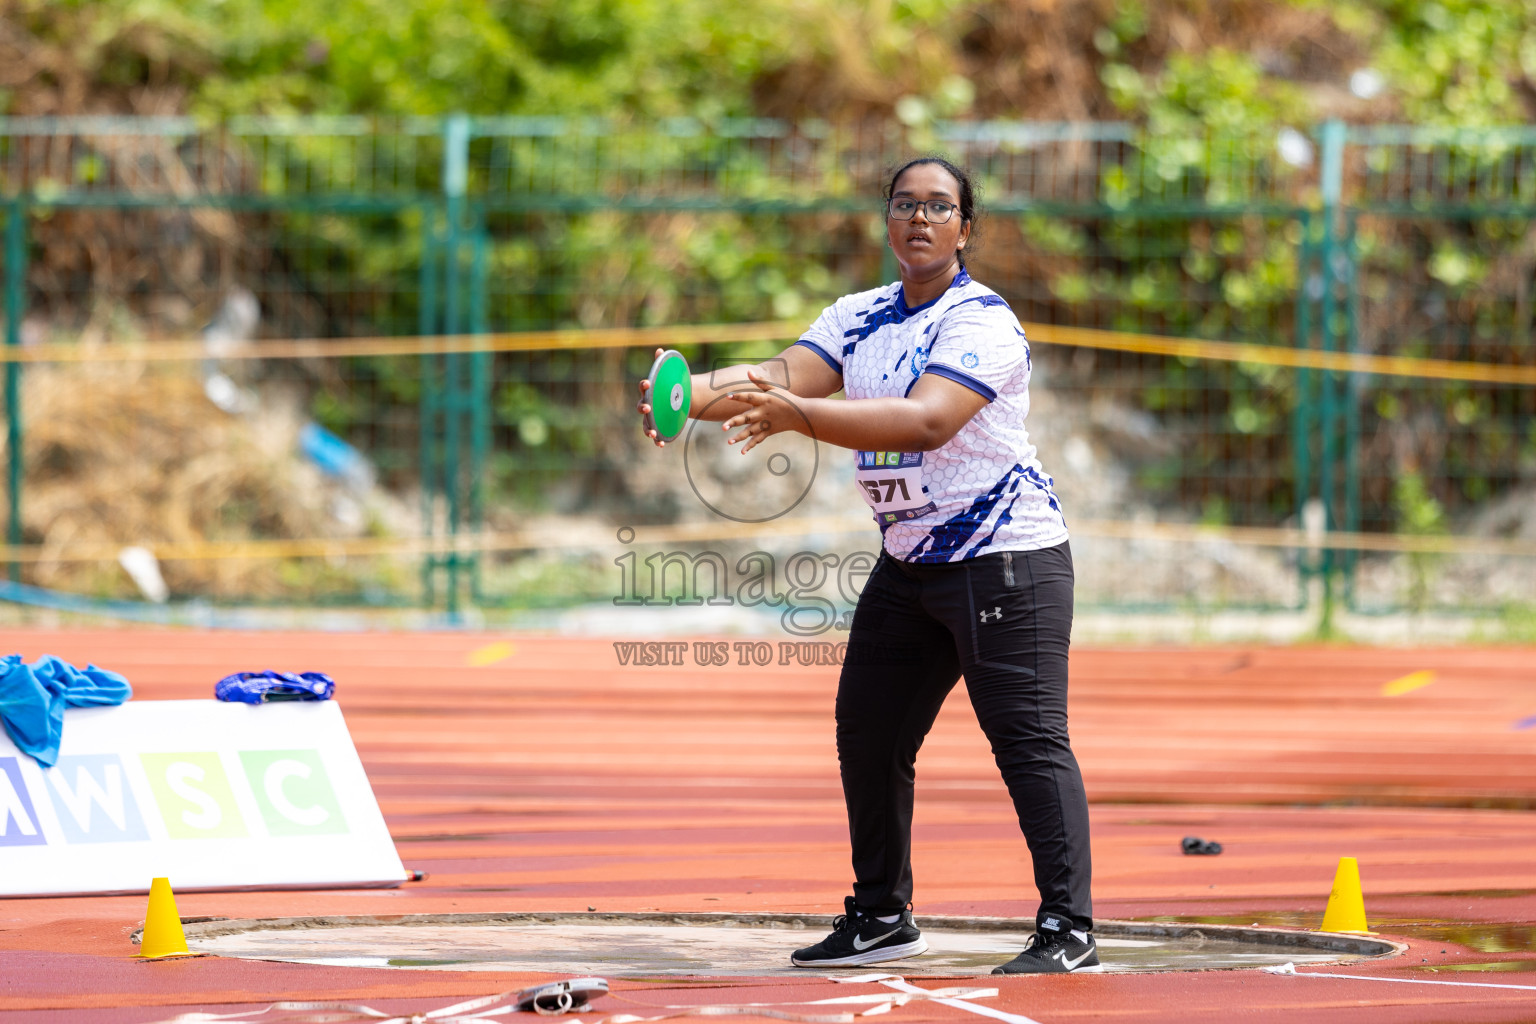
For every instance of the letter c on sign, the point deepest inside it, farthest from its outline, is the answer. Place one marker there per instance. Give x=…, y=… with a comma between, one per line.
x=279, y=772
x=179, y=777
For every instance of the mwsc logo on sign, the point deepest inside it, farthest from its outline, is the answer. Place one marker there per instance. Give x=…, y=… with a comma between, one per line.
x=94, y=801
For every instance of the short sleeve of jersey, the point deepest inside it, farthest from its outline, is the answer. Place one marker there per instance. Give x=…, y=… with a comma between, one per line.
x=981, y=347
x=825, y=337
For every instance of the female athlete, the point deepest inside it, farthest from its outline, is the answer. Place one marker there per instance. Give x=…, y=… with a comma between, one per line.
x=975, y=573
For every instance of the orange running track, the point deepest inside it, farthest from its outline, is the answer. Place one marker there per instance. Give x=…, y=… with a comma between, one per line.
x=546, y=776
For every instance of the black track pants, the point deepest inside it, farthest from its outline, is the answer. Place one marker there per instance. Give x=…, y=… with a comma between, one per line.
x=1004, y=620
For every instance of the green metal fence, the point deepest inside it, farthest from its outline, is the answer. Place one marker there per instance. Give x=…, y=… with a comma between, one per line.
x=1382, y=240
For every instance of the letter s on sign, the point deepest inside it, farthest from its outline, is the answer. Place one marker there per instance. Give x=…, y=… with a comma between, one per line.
x=179, y=777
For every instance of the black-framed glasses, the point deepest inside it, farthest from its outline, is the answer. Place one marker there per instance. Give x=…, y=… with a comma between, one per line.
x=937, y=211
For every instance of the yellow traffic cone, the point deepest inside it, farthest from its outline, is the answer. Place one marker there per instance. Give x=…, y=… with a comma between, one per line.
x=163, y=936
x=1346, y=903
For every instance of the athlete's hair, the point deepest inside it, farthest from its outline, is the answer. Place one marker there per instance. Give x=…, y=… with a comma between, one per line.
x=968, y=192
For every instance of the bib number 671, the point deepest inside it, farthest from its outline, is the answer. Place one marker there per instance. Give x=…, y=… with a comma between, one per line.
x=891, y=486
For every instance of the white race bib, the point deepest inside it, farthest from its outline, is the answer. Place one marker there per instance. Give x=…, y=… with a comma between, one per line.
x=892, y=484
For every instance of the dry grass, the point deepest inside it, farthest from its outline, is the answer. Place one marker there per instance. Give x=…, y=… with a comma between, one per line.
x=124, y=455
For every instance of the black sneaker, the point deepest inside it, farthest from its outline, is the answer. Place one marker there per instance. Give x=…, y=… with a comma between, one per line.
x=1054, y=953
x=858, y=937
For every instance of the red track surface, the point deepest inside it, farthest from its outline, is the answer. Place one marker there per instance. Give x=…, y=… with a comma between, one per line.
x=554, y=779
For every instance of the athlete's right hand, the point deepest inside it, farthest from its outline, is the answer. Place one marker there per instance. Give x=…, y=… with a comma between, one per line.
x=644, y=406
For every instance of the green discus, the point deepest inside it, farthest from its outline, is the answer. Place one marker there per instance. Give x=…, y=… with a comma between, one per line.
x=670, y=394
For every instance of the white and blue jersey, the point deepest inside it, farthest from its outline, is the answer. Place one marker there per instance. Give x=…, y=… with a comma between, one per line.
x=983, y=490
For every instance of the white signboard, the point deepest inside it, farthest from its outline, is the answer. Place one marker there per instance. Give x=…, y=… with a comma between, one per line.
x=208, y=794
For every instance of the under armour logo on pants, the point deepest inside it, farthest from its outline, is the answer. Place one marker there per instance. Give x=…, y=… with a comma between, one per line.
x=992, y=616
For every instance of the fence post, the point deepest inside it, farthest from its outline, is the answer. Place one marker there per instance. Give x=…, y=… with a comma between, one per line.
x=428, y=410
x=1354, y=388
x=449, y=382
x=1332, y=256
x=455, y=183
x=480, y=387
x=1303, y=416
x=15, y=300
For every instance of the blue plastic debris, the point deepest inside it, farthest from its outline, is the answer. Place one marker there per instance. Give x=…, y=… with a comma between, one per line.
x=334, y=456
x=33, y=698
x=261, y=687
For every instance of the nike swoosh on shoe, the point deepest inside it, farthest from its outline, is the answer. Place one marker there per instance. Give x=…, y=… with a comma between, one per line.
x=861, y=945
x=1070, y=965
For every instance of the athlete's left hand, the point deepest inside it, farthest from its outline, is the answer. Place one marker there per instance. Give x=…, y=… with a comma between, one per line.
x=770, y=413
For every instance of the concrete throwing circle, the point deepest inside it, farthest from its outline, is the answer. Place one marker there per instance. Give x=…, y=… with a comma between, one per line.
x=650, y=945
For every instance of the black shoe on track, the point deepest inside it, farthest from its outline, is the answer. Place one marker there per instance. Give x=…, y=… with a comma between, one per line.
x=1054, y=953
x=858, y=938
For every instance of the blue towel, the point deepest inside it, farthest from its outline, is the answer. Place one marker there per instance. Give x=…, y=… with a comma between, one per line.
x=33, y=698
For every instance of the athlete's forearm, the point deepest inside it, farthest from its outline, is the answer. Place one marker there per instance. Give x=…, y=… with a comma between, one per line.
x=927, y=418
x=873, y=424
x=798, y=370
x=709, y=389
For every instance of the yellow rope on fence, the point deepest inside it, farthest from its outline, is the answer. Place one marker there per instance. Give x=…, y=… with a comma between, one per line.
x=1272, y=355
x=650, y=337
x=603, y=540
x=698, y=334
x=446, y=344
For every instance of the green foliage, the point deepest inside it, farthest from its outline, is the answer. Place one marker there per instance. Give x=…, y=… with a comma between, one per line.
x=403, y=57
x=1418, y=511
x=1421, y=515
x=1453, y=266
x=1516, y=624
x=1454, y=62
x=1219, y=91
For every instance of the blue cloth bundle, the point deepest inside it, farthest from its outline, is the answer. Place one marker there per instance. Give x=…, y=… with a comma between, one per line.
x=33, y=698
x=260, y=687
